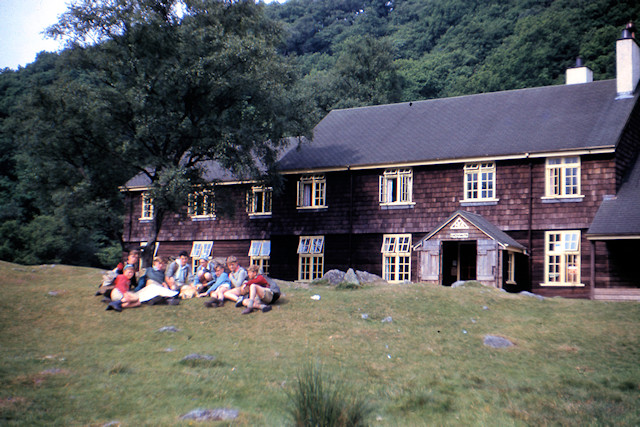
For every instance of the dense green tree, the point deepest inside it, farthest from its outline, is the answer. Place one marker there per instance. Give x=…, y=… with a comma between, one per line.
x=178, y=83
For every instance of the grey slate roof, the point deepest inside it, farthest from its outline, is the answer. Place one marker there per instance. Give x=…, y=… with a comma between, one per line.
x=620, y=216
x=484, y=225
x=537, y=120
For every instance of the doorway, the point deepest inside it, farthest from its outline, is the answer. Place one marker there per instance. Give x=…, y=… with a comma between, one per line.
x=458, y=261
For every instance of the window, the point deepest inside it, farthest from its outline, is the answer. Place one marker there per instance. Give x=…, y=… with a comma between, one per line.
x=511, y=268
x=259, y=201
x=199, y=250
x=563, y=177
x=310, y=258
x=202, y=204
x=312, y=191
x=396, y=187
x=479, y=181
x=396, y=257
x=562, y=258
x=260, y=254
x=147, y=206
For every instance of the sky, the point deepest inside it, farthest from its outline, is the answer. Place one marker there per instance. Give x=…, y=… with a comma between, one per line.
x=23, y=22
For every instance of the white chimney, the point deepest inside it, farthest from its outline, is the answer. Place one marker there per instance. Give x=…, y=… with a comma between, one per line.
x=627, y=62
x=579, y=74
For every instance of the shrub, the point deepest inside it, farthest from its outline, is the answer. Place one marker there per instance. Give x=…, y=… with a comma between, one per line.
x=316, y=401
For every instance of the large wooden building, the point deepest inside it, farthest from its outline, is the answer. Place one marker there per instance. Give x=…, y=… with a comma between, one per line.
x=533, y=189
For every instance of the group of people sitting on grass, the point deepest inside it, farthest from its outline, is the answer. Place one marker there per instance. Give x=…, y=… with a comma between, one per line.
x=160, y=284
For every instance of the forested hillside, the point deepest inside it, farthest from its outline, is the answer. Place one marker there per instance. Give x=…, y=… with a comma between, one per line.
x=59, y=198
x=360, y=52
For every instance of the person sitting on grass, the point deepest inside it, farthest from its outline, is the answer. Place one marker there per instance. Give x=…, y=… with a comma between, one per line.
x=203, y=275
x=121, y=297
x=237, y=276
x=179, y=272
x=154, y=289
x=257, y=292
x=217, y=289
x=108, y=280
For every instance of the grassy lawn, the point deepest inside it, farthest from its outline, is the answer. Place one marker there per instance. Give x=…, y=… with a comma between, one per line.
x=64, y=360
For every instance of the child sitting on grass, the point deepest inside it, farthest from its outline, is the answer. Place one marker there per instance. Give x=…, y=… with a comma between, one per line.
x=256, y=293
x=121, y=297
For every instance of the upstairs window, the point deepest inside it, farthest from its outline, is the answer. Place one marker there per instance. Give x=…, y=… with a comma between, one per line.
x=259, y=200
x=202, y=204
x=310, y=258
x=396, y=257
x=562, y=258
x=147, y=206
x=312, y=191
x=396, y=187
x=260, y=254
x=562, y=177
x=480, y=182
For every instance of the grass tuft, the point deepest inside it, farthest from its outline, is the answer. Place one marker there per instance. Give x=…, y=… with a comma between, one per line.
x=318, y=401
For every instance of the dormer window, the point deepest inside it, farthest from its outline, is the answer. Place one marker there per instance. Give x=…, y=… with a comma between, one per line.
x=396, y=187
x=312, y=192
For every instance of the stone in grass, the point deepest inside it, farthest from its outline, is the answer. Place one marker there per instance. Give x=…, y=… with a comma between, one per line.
x=168, y=329
x=495, y=341
x=350, y=278
x=334, y=277
x=196, y=356
x=529, y=294
x=218, y=414
x=387, y=319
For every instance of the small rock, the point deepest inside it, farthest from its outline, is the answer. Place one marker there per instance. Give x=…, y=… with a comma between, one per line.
x=484, y=307
x=365, y=316
x=53, y=293
x=387, y=320
x=458, y=284
x=211, y=414
x=168, y=329
x=315, y=297
x=529, y=294
x=196, y=356
x=496, y=341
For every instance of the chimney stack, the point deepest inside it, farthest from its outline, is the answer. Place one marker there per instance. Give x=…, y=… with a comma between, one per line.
x=579, y=74
x=627, y=62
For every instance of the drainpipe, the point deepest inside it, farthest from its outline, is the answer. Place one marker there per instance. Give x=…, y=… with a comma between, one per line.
x=350, y=172
x=592, y=281
x=530, y=231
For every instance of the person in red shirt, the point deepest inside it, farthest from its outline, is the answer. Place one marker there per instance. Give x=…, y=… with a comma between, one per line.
x=120, y=295
x=257, y=292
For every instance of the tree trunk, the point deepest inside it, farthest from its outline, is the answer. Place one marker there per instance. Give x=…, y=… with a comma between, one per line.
x=149, y=249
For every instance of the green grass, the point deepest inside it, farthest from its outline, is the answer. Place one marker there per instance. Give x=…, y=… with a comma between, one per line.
x=64, y=360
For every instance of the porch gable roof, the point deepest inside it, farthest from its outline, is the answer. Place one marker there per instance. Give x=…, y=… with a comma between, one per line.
x=482, y=224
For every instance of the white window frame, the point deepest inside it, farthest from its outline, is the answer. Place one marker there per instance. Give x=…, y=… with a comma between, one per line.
x=562, y=177
x=511, y=268
x=259, y=200
x=480, y=182
x=147, y=206
x=260, y=254
x=202, y=204
x=199, y=249
x=310, y=258
x=562, y=258
x=396, y=258
x=312, y=192
x=396, y=187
